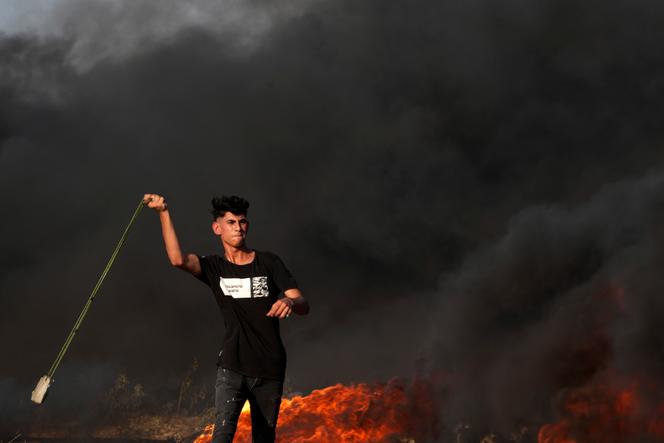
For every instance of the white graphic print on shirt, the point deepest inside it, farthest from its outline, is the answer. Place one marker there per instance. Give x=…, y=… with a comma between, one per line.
x=244, y=287
x=259, y=287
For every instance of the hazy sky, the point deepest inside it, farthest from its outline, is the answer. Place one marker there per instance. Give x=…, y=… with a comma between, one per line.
x=457, y=186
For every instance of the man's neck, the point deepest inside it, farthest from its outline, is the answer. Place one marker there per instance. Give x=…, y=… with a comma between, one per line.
x=239, y=256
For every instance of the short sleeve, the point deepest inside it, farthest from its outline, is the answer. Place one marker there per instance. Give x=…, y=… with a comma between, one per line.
x=281, y=275
x=206, y=269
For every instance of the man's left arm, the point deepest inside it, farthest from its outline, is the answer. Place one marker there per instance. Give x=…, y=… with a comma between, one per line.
x=293, y=301
x=300, y=304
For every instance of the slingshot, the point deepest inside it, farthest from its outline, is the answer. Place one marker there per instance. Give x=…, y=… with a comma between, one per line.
x=44, y=383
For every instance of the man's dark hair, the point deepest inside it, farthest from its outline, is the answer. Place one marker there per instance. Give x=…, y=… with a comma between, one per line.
x=233, y=204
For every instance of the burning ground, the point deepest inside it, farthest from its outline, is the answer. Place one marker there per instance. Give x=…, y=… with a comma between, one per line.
x=469, y=193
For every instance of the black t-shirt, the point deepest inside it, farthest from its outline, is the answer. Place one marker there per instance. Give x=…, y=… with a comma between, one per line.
x=245, y=293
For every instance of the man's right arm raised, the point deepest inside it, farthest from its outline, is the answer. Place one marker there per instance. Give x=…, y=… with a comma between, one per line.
x=186, y=262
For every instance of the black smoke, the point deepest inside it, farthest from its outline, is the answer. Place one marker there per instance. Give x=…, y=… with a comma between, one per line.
x=566, y=298
x=450, y=182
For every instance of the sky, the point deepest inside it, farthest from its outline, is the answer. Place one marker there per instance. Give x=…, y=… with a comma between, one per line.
x=460, y=188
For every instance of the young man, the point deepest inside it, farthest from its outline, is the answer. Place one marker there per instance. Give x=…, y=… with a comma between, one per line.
x=246, y=284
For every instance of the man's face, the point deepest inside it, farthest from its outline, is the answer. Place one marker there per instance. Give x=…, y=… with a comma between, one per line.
x=232, y=229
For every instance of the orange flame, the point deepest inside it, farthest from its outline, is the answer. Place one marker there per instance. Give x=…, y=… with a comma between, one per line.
x=356, y=413
x=606, y=414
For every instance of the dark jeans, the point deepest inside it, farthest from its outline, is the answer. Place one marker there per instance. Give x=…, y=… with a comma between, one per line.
x=231, y=391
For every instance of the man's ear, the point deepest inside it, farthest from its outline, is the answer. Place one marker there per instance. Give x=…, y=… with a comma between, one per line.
x=216, y=228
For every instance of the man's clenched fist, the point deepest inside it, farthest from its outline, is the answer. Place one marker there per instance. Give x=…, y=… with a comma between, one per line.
x=155, y=202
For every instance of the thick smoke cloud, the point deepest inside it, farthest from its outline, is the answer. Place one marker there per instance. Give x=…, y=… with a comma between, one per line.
x=114, y=30
x=564, y=298
x=405, y=159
